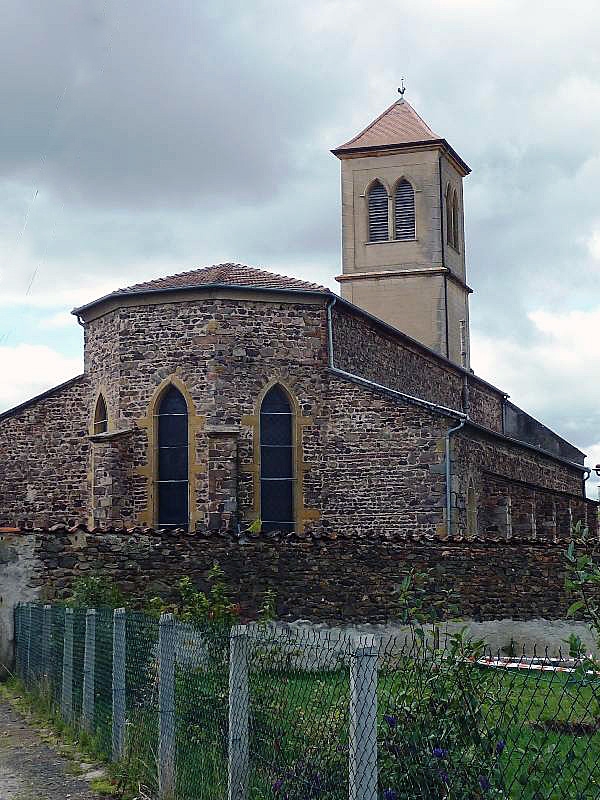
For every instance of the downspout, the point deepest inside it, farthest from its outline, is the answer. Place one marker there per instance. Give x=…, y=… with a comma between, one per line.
x=443, y=256
x=464, y=418
x=584, y=478
x=449, y=477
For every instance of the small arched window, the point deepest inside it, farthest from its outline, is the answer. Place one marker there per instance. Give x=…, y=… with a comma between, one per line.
x=276, y=461
x=455, y=221
x=172, y=474
x=378, y=212
x=404, y=211
x=100, y=416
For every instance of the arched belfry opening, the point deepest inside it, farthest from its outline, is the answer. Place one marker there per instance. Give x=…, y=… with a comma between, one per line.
x=172, y=478
x=277, y=449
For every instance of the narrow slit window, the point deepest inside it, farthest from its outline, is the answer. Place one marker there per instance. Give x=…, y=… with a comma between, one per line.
x=449, y=220
x=100, y=416
x=172, y=473
x=404, y=211
x=276, y=462
x=455, y=221
x=378, y=213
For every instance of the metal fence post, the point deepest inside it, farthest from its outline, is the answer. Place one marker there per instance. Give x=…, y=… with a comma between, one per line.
x=362, y=766
x=118, y=684
x=89, y=660
x=239, y=707
x=166, y=707
x=28, y=651
x=46, y=627
x=66, y=705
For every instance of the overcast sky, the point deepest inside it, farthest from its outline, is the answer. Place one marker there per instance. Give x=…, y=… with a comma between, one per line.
x=140, y=138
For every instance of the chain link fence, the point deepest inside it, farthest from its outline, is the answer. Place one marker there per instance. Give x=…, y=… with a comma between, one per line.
x=283, y=713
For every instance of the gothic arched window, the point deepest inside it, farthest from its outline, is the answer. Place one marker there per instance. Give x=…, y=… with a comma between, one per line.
x=404, y=211
x=100, y=416
x=377, y=198
x=276, y=461
x=172, y=474
x=455, y=221
x=449, y=220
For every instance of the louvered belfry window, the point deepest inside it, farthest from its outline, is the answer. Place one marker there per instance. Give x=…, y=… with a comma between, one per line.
x=378, y=213
x=276, y=462
x=404, y=211
x=172, y=460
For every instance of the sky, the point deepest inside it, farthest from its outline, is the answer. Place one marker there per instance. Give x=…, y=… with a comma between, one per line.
x=148, y=137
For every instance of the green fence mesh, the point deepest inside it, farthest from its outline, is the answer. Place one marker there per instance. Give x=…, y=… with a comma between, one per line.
x=292, y=713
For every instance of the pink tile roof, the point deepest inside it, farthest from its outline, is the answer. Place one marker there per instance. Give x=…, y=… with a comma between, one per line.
x=224, y=275
x=399, y=124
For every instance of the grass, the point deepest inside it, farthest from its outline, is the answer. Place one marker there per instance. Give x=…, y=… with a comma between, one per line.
x=550, y=723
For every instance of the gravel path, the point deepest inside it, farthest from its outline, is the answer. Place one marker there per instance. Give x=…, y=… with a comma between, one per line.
x=31, y=769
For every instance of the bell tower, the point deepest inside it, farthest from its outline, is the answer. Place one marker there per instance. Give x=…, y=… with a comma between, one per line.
x=403, y=249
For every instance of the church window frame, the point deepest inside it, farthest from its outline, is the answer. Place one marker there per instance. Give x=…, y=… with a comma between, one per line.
x=455, y=221
x=378, y=224
x=100, y=422
x=452, y=218
x=278, y=454
x=405, y=220
x=172, y=456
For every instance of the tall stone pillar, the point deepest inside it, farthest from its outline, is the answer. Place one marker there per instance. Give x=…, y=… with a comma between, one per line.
x=222, y=511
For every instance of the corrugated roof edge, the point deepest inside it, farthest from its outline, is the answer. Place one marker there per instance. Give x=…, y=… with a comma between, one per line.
x=32, y=400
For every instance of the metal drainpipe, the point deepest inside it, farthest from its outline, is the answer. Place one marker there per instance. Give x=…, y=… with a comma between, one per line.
x=584, y=479
x=449, y=477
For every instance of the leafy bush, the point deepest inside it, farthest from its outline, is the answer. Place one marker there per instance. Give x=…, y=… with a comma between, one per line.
x=95, y=591
x=434, y=740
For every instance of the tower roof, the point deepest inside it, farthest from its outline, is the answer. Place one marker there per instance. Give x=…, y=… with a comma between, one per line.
x=398, y=127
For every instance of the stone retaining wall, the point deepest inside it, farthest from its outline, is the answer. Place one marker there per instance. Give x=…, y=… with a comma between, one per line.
x=331, y=580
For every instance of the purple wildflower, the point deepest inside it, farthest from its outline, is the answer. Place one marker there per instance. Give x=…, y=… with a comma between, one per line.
x=278, y=784
x=439, y=752
x=500, y=747
x=391, y=720
x=484, y=782
x=444, y=776
x=390, y=794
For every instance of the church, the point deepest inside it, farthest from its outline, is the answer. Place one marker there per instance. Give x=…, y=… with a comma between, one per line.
x=231, y=399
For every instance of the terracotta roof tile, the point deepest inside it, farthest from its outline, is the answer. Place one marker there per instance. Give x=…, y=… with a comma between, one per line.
x=399, y=124
x=226, y=275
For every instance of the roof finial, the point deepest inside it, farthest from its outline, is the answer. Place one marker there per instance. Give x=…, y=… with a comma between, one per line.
x=402, y=89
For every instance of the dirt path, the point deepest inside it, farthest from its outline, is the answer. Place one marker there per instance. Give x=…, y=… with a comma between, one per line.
x=30, y=769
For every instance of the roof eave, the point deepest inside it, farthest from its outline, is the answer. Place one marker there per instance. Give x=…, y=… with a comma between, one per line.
x=200, y=288
x=342, y=151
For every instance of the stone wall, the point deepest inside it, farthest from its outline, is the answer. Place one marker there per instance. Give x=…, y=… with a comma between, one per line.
x=44, y=457
x=321, y=578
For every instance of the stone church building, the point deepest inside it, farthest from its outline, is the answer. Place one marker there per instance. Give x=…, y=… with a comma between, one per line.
x=228, y=395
